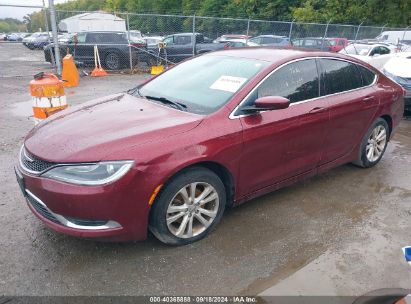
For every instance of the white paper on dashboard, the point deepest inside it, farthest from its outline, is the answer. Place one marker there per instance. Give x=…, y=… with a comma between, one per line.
x=228, y=83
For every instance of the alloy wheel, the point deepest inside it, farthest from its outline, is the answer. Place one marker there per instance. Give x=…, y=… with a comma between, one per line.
x=192, y=210
x=376, y=143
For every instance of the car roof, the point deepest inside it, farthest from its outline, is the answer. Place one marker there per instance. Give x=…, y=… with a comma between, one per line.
x=184, y=34
x=273, y=36
x=278, y=54
x=102, y=32
x=370, y=44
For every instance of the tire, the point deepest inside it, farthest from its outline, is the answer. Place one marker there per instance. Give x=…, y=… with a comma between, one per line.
x=112, y=61
x=375, y=140
x=173, y=213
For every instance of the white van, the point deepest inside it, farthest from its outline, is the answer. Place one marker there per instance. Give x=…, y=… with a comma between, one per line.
x=394, y=36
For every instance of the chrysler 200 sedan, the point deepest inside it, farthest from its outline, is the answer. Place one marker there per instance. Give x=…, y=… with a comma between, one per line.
x=171, y=154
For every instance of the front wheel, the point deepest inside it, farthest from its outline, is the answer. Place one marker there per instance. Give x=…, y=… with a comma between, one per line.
x=374, y=144
x=188, y=207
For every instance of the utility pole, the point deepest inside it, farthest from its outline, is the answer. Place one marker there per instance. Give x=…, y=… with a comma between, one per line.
x=46, y=23
x=54, y=32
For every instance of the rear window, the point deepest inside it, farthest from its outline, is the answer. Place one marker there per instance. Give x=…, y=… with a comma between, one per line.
x=368, y=77
x=340, y=76
x=106, y=38
x=356, y=49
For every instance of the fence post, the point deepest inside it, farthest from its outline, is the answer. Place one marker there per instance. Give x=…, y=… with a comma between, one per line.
x=55, y=39
x=248, y=28
x=291, y=30
x=358, y=30
x=194, y=35
x=46, y=24
x=325, y=33
x=129, y=44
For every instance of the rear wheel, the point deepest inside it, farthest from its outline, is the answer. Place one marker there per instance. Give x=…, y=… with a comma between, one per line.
x=112, y=61
x=188, y=207
x=374, y=144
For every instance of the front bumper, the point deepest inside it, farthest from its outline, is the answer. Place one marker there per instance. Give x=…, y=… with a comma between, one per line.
x=108, y=212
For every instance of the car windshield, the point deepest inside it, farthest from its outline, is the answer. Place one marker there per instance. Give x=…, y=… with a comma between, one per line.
x=332, y=42
x=204, y=84
x=356, y=49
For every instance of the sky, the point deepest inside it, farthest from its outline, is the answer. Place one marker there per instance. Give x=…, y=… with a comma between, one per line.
x=20, y=12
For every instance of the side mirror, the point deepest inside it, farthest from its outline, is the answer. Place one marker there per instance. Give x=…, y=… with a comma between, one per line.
x=268, y=103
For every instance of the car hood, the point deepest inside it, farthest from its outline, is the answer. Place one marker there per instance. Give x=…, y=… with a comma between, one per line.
x=399, y=66
x=100, y=128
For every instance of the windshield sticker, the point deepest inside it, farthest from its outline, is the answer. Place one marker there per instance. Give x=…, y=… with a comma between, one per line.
x=228, y=83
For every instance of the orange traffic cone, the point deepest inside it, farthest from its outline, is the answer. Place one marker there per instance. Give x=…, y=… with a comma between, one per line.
x=70, y=73
x=98, y=70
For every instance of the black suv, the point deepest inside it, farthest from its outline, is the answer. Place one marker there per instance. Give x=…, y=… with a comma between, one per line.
x=114, y=49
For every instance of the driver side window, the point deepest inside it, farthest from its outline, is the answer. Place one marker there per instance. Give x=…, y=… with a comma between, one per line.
x=169, y=40
x=80, y=38
x=296, y=81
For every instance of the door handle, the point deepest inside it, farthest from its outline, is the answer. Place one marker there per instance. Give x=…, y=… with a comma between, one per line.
x=368, y=98
x=317, y=110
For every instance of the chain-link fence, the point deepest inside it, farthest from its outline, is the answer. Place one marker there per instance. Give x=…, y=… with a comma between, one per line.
x=129, y=41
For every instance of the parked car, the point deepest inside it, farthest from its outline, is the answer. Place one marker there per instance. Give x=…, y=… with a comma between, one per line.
x=315, y=43
x=394, y=36
x=181, y=46
x=37, y=40
x=271, y=40
x=16, y=36
x=2, y=36
x=398, y=68
x=236, y=43
x=171, y=154
x=113, y=48
x=230, y=37
x=376, y=54
x=337, y=44
x=362, y=50
x=66, y=37
x=152, y=40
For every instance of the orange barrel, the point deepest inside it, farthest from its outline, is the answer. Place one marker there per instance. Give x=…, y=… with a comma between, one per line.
x=47, y=93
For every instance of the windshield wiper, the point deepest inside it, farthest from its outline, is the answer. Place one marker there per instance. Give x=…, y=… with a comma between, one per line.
x=134, y=91
x=178, y=105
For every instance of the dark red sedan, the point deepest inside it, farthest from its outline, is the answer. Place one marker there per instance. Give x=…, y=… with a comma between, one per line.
x=215, y=131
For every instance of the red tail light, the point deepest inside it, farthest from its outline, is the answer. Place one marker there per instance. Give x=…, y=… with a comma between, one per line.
x=226, y=46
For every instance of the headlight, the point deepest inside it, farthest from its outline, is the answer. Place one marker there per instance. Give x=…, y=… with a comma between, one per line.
x=90, y=174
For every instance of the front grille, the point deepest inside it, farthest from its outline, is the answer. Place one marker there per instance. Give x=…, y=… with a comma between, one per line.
x=41, y=209
x=82, y=222
x=32, y=163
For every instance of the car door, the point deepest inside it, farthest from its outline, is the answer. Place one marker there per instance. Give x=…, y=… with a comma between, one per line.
x=178, y=47
x=353, y=103
x=283, y=143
